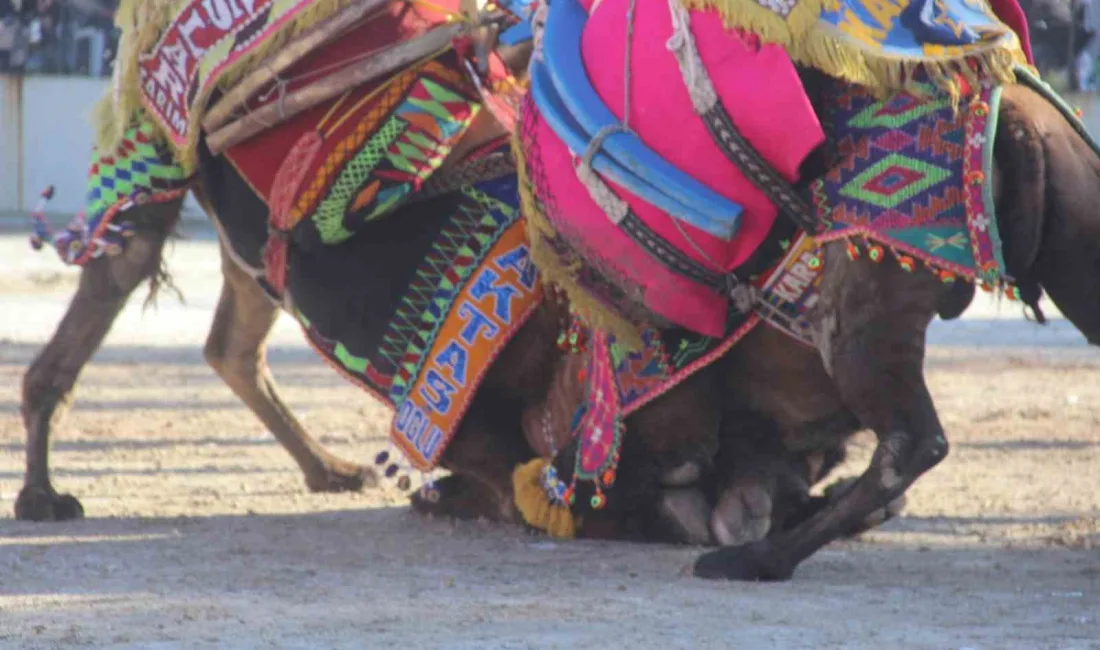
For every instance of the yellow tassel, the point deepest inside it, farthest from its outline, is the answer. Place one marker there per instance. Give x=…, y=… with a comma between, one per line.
x=535, y=506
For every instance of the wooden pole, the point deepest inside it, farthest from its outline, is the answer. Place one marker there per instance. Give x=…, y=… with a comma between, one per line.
x=295, y=51
x=354, y=74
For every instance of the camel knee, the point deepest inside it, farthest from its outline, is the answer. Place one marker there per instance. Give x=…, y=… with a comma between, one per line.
x=231, y=365
x=214, y=354
x=45, y=387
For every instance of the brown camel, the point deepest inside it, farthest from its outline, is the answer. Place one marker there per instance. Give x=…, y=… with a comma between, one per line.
x=235, y=349
x=870, y=329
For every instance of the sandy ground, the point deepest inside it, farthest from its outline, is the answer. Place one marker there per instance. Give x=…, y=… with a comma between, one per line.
x=200, y=532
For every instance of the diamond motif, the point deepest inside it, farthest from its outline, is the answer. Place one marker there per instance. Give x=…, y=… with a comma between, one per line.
x=893, y=141
x=893, y=180
x=897, y=111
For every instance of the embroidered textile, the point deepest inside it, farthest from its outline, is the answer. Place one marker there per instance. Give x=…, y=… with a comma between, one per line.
x=140, y=170
x=881, y=45
x=909, y=173
x=467, y=297
x=374, y=146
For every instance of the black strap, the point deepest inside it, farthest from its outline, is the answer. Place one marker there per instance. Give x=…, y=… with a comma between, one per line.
x=667, y=254
x=759, y=172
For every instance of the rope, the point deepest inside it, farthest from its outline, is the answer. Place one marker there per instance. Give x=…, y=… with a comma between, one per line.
x=602, y=194
x=682, y=45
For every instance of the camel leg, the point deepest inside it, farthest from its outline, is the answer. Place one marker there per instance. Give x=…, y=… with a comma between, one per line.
x=870, y=328
x=490, y=442
x=105, y=286
x=678, y=434
x=235, y=349
x=485, y=450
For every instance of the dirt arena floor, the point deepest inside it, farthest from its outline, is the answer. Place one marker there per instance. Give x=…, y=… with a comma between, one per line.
x=200, y=533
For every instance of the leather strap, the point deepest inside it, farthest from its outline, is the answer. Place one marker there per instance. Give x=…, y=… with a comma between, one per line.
x=760, y=173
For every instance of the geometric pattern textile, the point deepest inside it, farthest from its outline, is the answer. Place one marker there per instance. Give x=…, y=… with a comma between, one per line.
x=139, y=171
x=908, y=173
x=469, y=294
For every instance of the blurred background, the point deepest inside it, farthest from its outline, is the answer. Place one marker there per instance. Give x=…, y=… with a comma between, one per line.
x=67, y=37
x=55, y=62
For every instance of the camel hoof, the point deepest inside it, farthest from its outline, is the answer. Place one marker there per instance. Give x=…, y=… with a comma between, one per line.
x=43, y=504
x=342, y=477
x=460, y=497
x=686, y=513
x=755, y=562
x=743, y=515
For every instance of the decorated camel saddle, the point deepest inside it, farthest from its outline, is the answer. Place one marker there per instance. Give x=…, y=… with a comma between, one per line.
x=335, y=103
x=682, y=161
x=665, y=138
x=334, y=114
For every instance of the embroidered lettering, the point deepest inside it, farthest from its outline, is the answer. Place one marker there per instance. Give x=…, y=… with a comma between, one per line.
x=437, y=392
x=476, y=323
x=454, y=356
x=487, y=283
x=519, y=260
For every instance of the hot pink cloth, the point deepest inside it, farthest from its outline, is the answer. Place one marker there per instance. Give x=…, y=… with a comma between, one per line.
x=760, y=89
x=1010, y=13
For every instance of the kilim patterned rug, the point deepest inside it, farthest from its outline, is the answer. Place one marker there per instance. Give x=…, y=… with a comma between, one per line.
x=911, y=175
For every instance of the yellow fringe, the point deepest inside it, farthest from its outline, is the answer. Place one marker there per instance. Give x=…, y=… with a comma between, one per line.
x=535, y=506
x=752, y=16
x=555, y=271
x=817, y=47
x=141, y=23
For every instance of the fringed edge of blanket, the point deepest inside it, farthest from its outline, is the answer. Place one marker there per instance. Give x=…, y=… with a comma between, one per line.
x=875, y=245
x=808, y=43
x=555, y=271
x=141, y=23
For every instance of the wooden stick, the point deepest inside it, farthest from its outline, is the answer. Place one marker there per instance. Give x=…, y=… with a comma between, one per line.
x=354, y=74
x=296, y=50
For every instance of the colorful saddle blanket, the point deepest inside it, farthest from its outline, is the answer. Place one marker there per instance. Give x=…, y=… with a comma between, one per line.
x=465, y=286
x=324, y=173
x=658, y=209
x=140, y=170
x=880, y=43
x=331, y=169
x=617, y=214
x=912, y=173
x=175, y=54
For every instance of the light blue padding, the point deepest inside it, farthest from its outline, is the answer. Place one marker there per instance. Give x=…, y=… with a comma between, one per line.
x=518, y=33
x=562, y=124
x=567, y=91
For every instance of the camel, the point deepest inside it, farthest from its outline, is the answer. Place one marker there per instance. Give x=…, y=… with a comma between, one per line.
x=672, y=509
x=865, y=373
